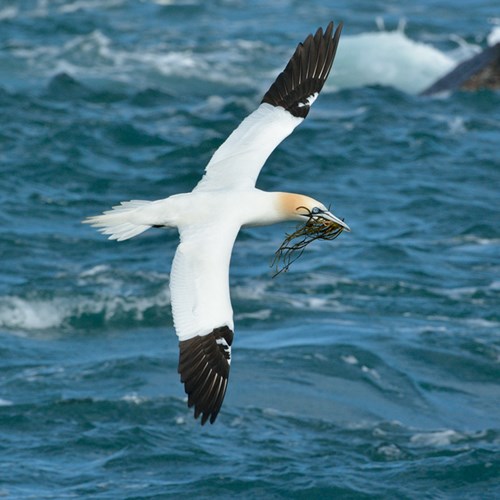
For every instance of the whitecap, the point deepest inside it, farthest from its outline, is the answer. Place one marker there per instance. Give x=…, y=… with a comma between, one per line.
x=455, y=124
x=436, y=439
x=79, y=5
x=16, y=312
x=133, y=398
x=100, y=268
x=175, y=2
x=494, y=36
x=481, y=323
x=32, y=314
x=261, y=314
x=350, y=359
x=371, y=371
x=472, y=239
x=389, y=451
x=297, y=297
x=389, y=58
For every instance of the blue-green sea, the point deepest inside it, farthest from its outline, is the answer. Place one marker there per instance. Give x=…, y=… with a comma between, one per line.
x=370, y=370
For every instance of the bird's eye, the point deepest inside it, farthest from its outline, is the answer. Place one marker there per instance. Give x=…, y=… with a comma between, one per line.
x=316, y=211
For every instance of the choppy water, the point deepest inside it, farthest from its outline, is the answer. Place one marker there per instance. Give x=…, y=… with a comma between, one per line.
x=370, y=370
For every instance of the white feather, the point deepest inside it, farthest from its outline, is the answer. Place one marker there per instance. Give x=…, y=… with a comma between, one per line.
x=118, y=222
x=131, y=218
x=239, y=160
x=199, y=280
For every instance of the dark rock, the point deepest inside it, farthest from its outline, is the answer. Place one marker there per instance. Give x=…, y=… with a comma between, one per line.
x=63, y=86
x=479, y=72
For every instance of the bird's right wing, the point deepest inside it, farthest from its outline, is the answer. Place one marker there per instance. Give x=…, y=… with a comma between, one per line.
x=237, y=163
x=203, y=316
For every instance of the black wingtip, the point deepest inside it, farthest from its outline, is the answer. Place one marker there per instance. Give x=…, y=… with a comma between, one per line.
x=305, y=74
x=204, y=369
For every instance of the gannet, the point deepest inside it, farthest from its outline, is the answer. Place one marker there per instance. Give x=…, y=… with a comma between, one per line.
x=210, y=216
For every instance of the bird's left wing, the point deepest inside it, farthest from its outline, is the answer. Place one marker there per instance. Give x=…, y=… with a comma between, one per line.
x=203, y=316
x=238, y=161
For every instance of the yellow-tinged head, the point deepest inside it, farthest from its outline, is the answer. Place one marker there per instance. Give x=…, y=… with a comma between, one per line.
x=301, y=207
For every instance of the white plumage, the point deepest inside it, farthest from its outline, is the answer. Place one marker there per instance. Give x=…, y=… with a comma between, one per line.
x=249, y=145
x=209, y=218
x=199, y=280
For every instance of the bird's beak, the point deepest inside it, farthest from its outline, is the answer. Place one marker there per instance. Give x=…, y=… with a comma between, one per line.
x=329, y=216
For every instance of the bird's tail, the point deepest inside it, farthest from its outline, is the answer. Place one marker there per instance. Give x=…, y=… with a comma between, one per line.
x=123, y=221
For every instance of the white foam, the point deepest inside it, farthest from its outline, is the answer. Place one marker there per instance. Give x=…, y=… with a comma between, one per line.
x=24, y=314
x=261, y=314
x=79, y=5
x=94, y=57
x=16, y=312
x=472, y=239
x=481, y=323
x=389, y=58
x=350, y=359
x=5, y=402
x=373, y=58
x=133, y=398
x=93, y=271
x=455, y=124
x=371, y=371
x=300, y=297
x=494, y=36
x=436, y=439
x=390, y=451
x=175, y=2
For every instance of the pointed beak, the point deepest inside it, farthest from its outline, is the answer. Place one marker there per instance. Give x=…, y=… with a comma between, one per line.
x=329, y=216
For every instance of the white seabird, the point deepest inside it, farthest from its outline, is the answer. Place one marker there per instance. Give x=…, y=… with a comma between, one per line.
x=210, y=216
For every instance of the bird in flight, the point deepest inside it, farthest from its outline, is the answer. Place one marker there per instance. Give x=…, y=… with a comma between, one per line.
x=210, y=216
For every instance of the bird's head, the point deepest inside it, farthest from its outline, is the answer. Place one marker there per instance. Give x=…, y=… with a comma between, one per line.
x=305, y=209
x=318, y=223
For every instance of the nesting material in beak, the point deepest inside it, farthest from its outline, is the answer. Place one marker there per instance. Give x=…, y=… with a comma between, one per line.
x=316, y=228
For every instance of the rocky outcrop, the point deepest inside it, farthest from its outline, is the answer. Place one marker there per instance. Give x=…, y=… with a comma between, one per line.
x=479, y=72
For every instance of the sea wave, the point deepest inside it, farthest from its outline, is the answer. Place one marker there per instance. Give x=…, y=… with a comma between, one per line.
x=23, y=314
x=103, y=296
x=387, y=58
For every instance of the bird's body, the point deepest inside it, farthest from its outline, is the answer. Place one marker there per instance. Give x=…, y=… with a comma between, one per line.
x=209, y=218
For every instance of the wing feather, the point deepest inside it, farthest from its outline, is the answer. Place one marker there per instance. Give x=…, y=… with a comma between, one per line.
x=203, y=319
x=206, y=385
x=238, y=161
x=199, y=279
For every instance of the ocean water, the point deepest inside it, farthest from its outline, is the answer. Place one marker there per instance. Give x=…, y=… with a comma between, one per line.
x=370, y=370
